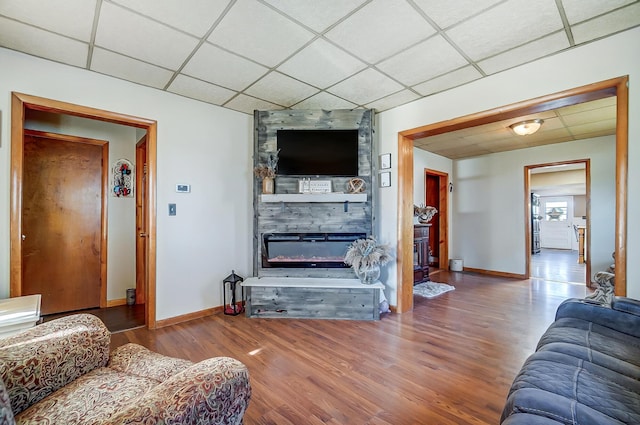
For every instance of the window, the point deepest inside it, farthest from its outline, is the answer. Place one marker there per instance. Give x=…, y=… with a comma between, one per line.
x=556, y=211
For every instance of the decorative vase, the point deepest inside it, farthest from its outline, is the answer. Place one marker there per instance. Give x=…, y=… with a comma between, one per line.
x=268, y=185
x=369, y=275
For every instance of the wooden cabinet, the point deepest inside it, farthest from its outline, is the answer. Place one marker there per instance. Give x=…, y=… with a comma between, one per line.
x=421, y=253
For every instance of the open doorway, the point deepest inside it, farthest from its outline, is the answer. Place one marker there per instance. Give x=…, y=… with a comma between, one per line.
x=559, y=207
x=437, y=195
x=23, y=104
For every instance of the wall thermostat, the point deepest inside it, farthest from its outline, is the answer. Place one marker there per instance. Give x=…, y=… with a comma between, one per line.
x=183, y=188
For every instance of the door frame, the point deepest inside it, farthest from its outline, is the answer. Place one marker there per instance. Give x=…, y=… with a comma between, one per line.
x=613, y=87
x=20, y=103
x=527, y=208
x=443, y=215
x=141, y=219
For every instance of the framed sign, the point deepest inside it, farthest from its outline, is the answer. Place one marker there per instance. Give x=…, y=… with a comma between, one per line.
x=385, y=161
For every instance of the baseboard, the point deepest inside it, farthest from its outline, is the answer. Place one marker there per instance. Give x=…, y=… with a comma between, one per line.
x=115, y=303
x=186, y=317
x=494, y=273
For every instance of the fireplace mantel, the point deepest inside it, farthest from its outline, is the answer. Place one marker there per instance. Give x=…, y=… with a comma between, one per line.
x=315, y=197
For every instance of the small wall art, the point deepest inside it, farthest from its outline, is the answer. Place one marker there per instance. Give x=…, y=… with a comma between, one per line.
x=385, y=161
x=385, y=179
x=122, y=179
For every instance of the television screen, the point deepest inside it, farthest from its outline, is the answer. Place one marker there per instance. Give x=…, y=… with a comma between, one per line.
x=318, y=152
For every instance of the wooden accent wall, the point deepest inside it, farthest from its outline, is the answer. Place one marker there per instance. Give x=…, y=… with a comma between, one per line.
x=319, y=217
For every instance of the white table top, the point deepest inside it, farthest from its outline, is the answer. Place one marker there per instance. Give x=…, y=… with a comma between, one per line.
x=19, y=309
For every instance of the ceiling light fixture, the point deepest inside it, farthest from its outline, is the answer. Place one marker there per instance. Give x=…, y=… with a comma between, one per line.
x=526, y=128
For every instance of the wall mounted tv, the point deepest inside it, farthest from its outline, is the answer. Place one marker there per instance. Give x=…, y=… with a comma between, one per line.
x=318, y=152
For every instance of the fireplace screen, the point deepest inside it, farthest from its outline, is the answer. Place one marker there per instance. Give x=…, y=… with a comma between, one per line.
x=304, y=250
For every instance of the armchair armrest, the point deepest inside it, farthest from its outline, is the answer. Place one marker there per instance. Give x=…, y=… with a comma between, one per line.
x=620, y=318
x=213, y=391
x=43, y=359
x=628, y=305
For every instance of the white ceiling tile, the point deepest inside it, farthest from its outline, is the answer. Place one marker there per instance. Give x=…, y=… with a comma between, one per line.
x=324, y=100
x=317, y=15
x=446, y=12
x=281, y=89
x=579, y=10
x=195, y=19
x=129, y=69
x=321, y=64
x=365, y=87
x=34, y=41
x=613, y=22
x=128, y=33
x=225, y=69
x=423, y=61
x=505, y=26
x=254, y=30
x=73, y=18
x=380, y=29
x=396, y=99
x=534, y=50
x=248, y=104
x=200, y=90
x=447, y=81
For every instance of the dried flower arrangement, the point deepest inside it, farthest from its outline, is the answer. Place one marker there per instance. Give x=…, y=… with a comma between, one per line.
x=365, y=254
x=424, y=213
x=269, y=169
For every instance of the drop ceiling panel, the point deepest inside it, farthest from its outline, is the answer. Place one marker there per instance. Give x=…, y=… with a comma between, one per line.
x=324, y=100
x=217, y=66
x=317, y=15
x=423, y=61
x=600, y=127
x=365, y=87
x=447, y=81
x=256, y=31
x=590, y=116
x=200, y=90
x=34, y=41
x=281, y=89
x=446, y=12
x=505, y=26
x=396, y=99
x=580, y=10
x=321, y=64
x=59, y=16
x=248, y=104
x=125, y=32
x=106, y=62
x=196, y=19
x=619, y=20
x=380, y=29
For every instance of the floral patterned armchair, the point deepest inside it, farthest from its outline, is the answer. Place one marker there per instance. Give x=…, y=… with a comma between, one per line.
x=61, y=372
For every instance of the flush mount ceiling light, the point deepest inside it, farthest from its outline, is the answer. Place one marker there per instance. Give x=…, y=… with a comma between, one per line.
x=526, y=128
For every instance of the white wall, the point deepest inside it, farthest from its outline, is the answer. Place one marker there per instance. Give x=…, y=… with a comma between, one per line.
x=601, y=60
x=121, y=212
x=489, y=214
x=206, y=146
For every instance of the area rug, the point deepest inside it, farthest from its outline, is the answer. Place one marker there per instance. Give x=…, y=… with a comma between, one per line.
x=431, y=289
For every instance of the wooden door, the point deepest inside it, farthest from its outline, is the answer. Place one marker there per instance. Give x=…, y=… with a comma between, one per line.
x=142, y=220
x=436, y=195
x=62, y=221
x=556, y=229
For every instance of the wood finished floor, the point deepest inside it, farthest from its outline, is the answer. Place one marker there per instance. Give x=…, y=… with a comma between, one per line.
x=116, y=319
x=559, y=265
x=449, y=361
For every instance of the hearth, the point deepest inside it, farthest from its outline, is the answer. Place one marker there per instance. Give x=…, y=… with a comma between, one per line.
x=306, y=250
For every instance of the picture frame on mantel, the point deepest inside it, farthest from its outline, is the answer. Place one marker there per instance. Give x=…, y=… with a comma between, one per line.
x=385, y=161
x=385, y=179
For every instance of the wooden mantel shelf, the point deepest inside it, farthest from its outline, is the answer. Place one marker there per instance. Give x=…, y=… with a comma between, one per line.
x=315, y=197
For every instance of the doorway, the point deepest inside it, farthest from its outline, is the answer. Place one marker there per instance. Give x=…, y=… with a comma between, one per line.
x=21, y=104
x=614, y=87
x=437, y=195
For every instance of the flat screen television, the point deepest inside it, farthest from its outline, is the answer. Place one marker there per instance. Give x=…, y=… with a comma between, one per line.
x=318, y=152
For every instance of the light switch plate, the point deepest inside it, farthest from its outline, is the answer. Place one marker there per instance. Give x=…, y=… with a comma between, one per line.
x=172, y=209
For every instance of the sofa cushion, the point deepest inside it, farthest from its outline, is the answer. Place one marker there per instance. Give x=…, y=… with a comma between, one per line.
x=92, y=398
x=571, y=390
x=134, y=359
x=43, y=359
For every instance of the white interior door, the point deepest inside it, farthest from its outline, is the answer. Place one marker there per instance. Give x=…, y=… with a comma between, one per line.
x=556, y=227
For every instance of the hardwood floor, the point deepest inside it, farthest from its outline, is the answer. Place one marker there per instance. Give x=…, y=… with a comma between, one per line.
x=558, y=265
x=449, y=361
x=117, y=319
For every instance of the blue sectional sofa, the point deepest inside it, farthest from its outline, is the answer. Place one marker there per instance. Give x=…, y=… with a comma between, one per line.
x=585, y=371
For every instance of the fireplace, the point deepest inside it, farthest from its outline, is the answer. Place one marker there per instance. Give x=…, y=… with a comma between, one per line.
x=306, y=250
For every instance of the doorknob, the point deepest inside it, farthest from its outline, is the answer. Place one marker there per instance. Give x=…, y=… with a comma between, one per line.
x=24, y=237
x=141, y=234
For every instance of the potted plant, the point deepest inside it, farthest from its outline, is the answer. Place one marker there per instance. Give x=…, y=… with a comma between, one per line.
x=267, y=172
x=366, y=256
x=424, y=213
